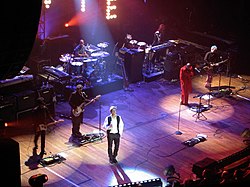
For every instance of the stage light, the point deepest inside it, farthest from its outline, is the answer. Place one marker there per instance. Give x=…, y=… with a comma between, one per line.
x=151, y=182
x=66, y=25
x=109, y=9
x=47, y=3
x=38, y=180
x=83, y=5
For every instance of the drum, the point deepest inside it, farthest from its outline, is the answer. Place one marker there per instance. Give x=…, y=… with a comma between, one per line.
x=132, y=44
x=141, y=45
x=76, y=68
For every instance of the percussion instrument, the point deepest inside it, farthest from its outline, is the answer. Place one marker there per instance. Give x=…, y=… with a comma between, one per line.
x=141, y=45
x=76, y=68
x=102, y=45
x=132, y=44
x=65, y=57
x=100, y=54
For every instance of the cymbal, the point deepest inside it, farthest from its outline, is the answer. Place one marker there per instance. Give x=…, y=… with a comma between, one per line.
x=65, y=57
x=133, y=42
x=141, y=44
x=103, y=45
x=101, y=54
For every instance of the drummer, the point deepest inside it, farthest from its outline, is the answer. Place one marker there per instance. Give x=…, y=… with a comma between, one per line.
x=80, y=49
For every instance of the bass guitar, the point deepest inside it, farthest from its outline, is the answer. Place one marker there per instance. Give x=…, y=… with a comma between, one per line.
x=43, y=127
x=78, y=110
x=210, y=66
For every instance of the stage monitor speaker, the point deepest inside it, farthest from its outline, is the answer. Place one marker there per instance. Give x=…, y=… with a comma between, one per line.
x=133, y=65
x=10, y=167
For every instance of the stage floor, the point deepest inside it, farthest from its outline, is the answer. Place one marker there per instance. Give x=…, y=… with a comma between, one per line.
x=152, y=115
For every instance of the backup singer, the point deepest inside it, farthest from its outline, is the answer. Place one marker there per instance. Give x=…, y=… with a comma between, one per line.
x=76, y=99
x=114, y=125
x=186, y=74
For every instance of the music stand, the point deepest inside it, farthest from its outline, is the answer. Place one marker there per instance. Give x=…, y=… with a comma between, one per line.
x=199, y=110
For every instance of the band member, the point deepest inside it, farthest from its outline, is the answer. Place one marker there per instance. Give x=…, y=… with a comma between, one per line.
x=41, y=118
x=159, y=35
x=186, y=74
x=159, y=38
x=80, y=49
x=127, y=41
x=114, y=125
x=76, y=99
x=211, y=58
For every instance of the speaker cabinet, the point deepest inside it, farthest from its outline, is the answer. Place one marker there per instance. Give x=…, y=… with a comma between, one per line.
x=47, y=93
x=7, y=108
x=10, y=157
x=133, y=60
x=25, y=100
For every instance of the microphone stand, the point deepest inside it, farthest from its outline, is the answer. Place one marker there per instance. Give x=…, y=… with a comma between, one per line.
x=178, y=132
x=100, y=120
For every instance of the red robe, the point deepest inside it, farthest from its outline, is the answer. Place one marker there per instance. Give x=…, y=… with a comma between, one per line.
x=186, y=83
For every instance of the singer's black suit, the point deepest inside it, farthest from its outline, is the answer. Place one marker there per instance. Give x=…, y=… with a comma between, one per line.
x=76, y=99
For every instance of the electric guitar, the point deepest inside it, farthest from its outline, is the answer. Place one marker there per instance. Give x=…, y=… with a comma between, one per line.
x=210, y=66
x=76, y=112
x=43, y=127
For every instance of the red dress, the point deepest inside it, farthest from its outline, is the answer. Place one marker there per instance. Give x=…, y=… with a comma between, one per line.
x=186, y=75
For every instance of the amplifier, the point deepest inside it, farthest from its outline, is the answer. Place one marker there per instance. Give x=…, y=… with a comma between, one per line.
x=25, y=100
x=7, y=108
x=133, y=61
x=47, y=92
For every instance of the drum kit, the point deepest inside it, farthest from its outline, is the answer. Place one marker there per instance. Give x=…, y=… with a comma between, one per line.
x=87, y=67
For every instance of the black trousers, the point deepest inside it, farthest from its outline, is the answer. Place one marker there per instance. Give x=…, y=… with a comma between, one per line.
x=76, y=122
x=37, y=135
x=113, y=139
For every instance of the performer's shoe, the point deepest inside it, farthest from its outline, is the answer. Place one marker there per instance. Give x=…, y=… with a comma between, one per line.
x=115, y=161
x=111, y=161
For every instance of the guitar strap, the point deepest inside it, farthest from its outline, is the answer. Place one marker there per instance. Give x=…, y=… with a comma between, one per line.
x=118, y=121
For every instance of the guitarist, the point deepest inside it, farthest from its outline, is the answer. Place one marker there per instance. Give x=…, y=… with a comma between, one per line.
x=76, y=99
x=41, y=116
x=211, y=58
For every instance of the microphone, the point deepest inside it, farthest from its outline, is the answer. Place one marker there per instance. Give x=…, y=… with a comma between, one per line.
x=197, y=70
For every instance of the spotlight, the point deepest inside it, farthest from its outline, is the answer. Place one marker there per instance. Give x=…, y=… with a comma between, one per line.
x=38, y=180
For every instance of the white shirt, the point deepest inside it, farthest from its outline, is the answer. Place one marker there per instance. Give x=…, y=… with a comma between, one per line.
x=113, y=124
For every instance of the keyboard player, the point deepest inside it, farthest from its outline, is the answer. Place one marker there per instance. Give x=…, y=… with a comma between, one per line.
x=159, y=38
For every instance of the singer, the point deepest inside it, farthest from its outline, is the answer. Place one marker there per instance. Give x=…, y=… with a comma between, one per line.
x=186, y=74
x=77, y=98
